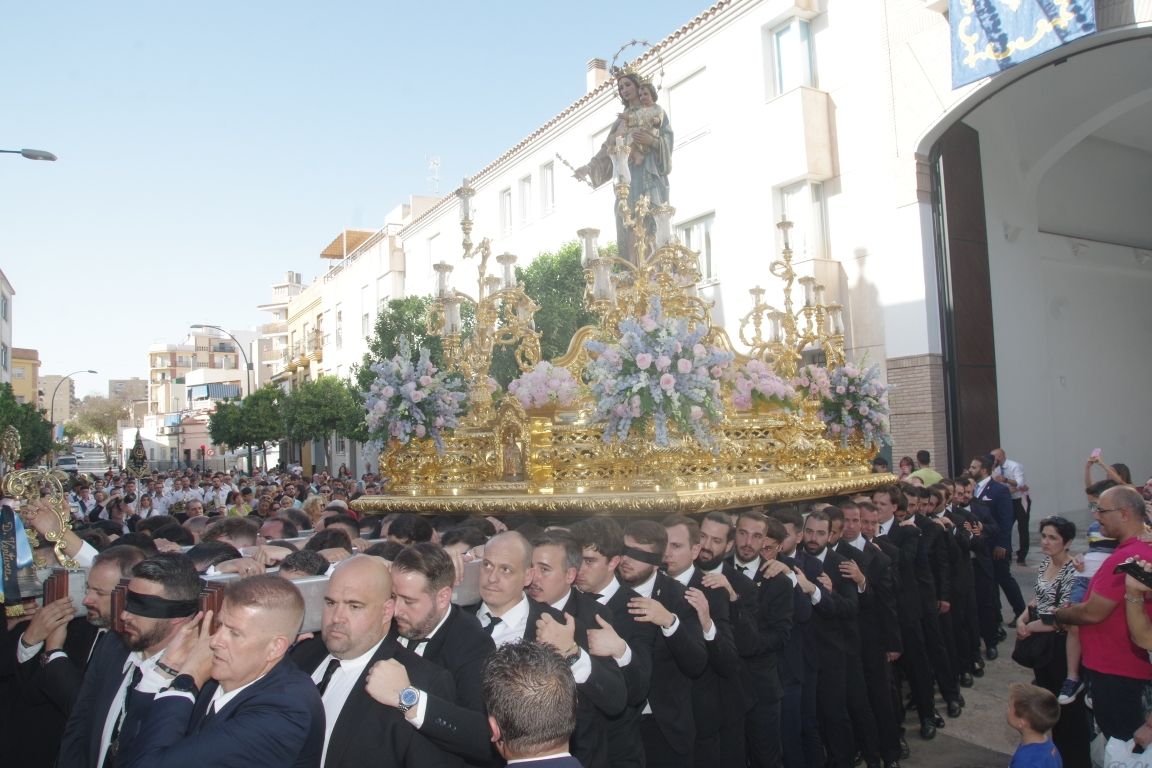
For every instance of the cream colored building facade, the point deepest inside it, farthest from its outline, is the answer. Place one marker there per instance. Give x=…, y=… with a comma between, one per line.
x=973, y=234
x=26, y=375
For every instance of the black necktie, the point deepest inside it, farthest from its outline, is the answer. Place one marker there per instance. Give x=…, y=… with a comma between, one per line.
x=492, y=626
x=414, y=645
x=333, y=665
x=114, y=742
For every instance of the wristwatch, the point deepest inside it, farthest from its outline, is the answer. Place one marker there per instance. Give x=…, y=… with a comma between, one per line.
x=409, y=697
x=185, y=683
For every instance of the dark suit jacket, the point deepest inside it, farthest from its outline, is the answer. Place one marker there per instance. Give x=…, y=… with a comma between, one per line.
x=879, y=627
x=367, y=727
x=720, y=680
x=461, y=646
x=562, y=761
x=624, y=748
x=905, y=541
x=276, y=722
x=936, y=545
x=80, y=745
x=58, y=682
x=999, y=499
x=837, y=609
x=795, y=656
x=676, y=662
x=603, y=695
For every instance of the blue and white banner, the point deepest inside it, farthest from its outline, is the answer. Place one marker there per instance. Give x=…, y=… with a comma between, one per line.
x=992, y=35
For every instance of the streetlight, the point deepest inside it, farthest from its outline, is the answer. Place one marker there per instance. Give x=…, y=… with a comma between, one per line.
x=31, y=154
x=247, y=364
x=52, y=406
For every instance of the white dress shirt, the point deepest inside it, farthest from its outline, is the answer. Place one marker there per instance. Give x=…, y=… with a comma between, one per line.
x=748, y=569
x=512, y=623
x=339, y=687
x=607, y=594
x=151, y=681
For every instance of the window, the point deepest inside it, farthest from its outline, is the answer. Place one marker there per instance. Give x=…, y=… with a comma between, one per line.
x=340, y=447
x=339, y=327
x=803, y=205
x=547, y=189
x=381, y=292
x=697, y=236
x=18, y=372
x=525, y=200
x=3, y=307
x=789, y=56
x=506, y=210
x=365, y=325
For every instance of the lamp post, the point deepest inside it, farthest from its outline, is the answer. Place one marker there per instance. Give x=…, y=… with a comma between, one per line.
x=247, y=364
x=52, y=406
x=31, y=154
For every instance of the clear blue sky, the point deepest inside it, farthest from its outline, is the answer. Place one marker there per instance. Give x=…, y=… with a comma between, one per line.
x=207, y=148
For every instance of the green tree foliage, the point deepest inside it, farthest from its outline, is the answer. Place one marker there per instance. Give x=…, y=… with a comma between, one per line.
x=250, y=422
x=35, y=430
x=401, y=319
x=555, y=281
x=99, y=416
x=319, y=408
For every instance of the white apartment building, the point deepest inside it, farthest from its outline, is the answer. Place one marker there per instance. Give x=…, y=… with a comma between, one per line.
x=6, y=295
x=989, y=243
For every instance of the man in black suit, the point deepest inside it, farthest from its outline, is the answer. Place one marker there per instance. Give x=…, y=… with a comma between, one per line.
x=983, y=532
x=872, y=637
x=124, y=672
x=429, y=625
x=757, y=649
x=935, y=594
x=774, y=636
x=999, y=499
x=800, y=719
x=236, y=700
x=628, y=642
x=667, y=725
x=895, y=529
x=838, y=604
x=530, y=695
x=965, y=628
x=599, y=681
x=720, y=680
x=364, y=713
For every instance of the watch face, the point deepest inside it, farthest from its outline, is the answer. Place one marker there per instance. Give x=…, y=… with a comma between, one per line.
x=409, y=697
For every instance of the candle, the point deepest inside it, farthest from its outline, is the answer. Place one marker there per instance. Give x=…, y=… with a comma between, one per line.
x=807, y=282
x=819, y=289
x=589, y=237
x=663, y=215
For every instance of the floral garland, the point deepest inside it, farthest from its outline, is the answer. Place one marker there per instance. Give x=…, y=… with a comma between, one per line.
x=755, y=382
x=407, y=401
x=660, y=370
x=852, y=400
x=545, y=385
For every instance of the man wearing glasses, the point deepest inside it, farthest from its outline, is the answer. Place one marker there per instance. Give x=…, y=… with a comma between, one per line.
x=1117, y=671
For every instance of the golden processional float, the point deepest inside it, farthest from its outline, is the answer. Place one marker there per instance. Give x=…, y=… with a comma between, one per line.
x=20, y=562
x=651, y=410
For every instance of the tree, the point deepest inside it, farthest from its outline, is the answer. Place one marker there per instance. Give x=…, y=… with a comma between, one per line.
x=555, y=281
x=319, y=408
x=401, y=319
x=35, y=430
x=100, y=416
x=250, y=422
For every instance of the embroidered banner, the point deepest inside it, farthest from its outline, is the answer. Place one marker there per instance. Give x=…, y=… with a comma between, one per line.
x=992, y=35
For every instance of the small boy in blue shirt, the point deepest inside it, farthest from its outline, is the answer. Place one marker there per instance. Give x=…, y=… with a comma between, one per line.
x=1033, y=711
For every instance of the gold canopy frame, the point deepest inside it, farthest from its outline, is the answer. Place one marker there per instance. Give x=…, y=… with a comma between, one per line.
x=556, y=462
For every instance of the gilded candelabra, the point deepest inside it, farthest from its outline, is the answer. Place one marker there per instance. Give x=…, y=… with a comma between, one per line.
x=503, y=316
x=790, y=332
x=658, y=265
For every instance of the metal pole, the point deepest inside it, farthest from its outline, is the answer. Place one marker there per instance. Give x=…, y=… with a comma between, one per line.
x=248, y=366
x=52, y=408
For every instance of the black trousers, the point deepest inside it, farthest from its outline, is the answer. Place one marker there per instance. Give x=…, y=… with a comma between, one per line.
x=835, y=724
x=987, y=600
x=763, y=730
x=864, y=724
x=1023, y=528
x=1117, y=703
x=1071, y=733
x=916, y=669
x=1002, y=570
x=658, y=753
x=878, y=684
x=935, y=646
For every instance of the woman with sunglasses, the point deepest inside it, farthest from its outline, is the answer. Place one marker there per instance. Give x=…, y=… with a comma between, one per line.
x=1055, y=580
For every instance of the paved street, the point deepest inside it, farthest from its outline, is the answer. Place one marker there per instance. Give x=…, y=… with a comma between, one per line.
x=981, y=738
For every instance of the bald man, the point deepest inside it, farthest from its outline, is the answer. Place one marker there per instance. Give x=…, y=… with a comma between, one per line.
x=358, y=611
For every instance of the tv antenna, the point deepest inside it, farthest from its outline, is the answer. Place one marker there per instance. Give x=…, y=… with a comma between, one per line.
x=433, y=173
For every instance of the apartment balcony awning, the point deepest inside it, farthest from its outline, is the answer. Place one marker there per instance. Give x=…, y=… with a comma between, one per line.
x=346, y=242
